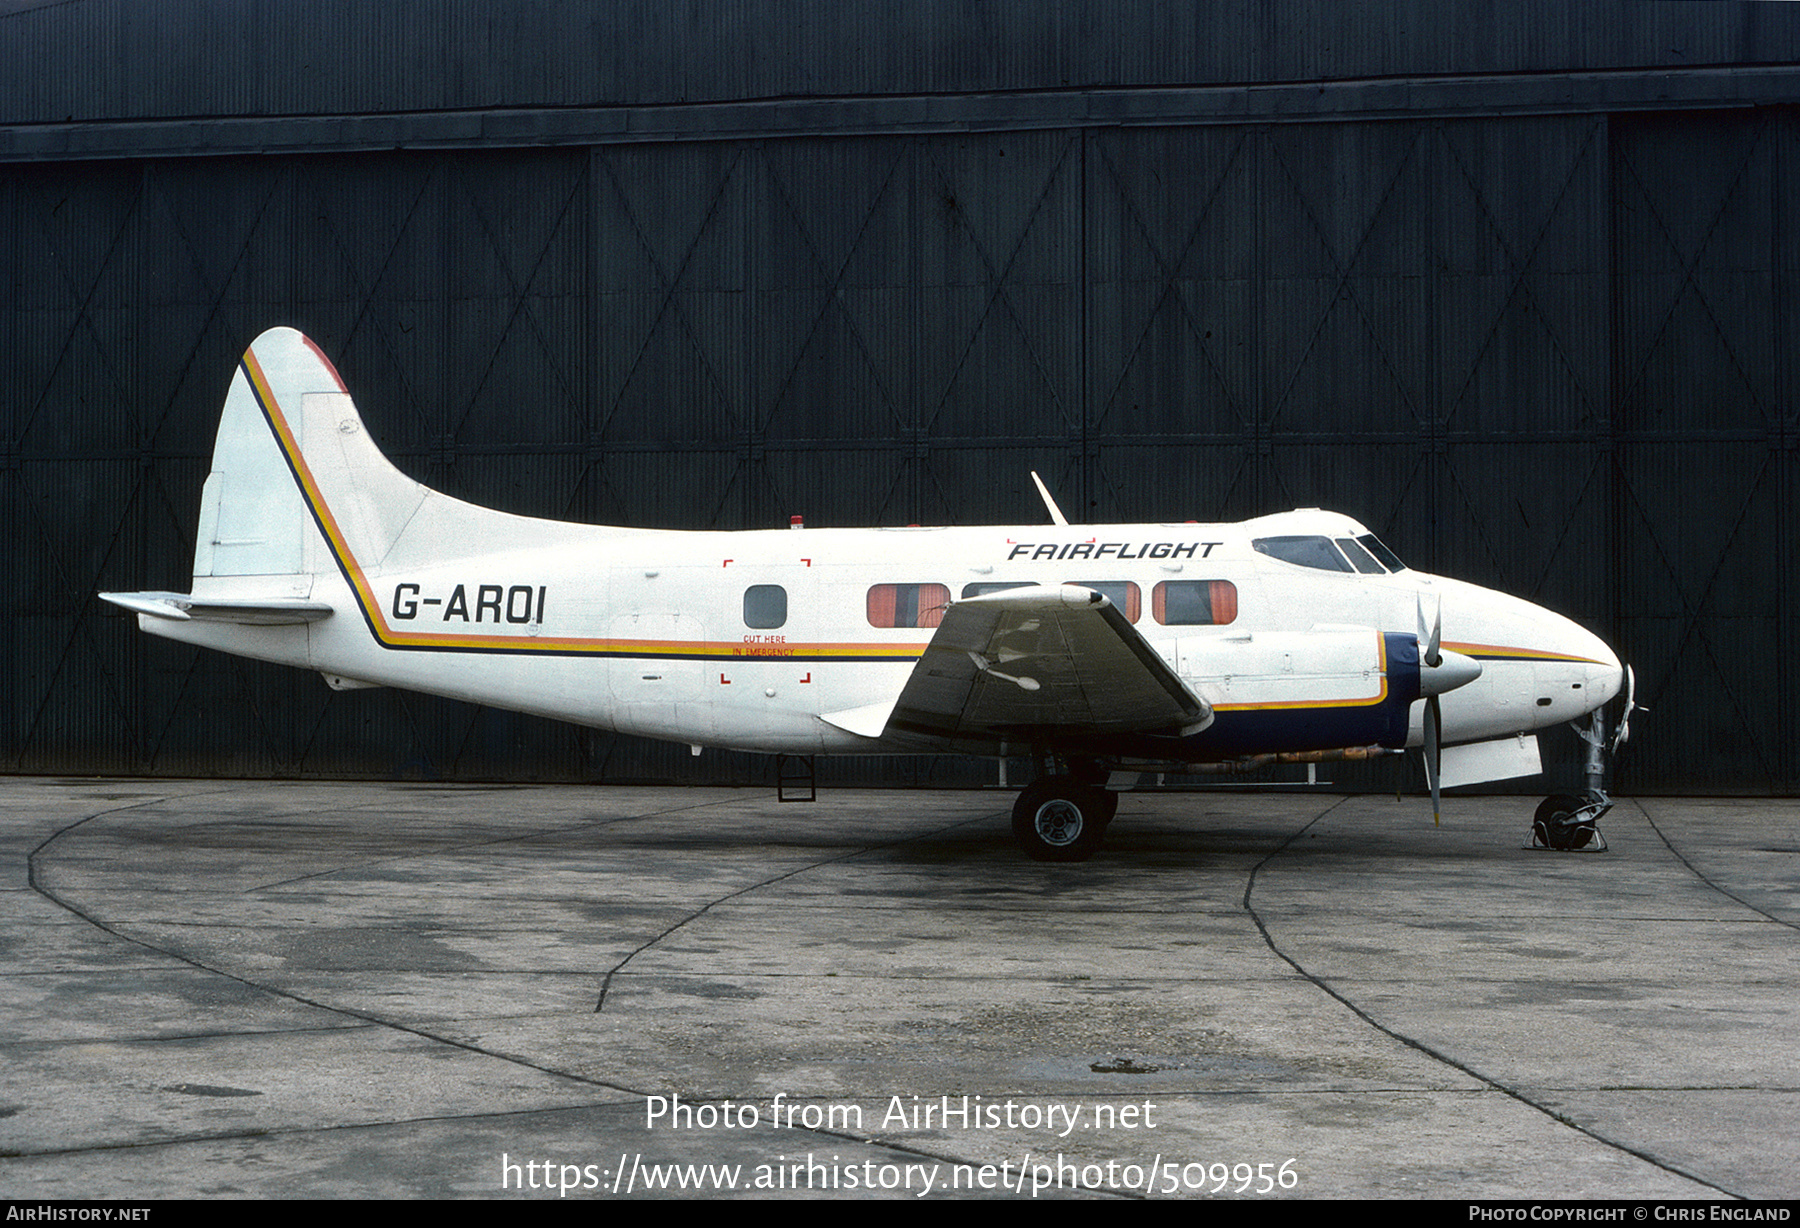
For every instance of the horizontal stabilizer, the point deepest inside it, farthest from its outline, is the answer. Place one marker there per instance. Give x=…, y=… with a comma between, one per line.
x=249, y=612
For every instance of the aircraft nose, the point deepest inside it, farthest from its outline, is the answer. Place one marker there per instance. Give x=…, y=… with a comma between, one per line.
x=1609, y=676
x=1602, y=675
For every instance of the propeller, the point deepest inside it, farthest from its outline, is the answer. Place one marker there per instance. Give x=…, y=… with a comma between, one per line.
x=1439, y=671
x=1431, y=656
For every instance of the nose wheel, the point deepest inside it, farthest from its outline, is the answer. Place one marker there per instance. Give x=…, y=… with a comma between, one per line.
x=1058, y=818
x=1565, y=823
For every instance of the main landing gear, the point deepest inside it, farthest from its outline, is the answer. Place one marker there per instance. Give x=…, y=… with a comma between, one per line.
x=1062, y=818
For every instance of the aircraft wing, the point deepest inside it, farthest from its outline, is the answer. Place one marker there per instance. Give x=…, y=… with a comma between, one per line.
x=1041, y=661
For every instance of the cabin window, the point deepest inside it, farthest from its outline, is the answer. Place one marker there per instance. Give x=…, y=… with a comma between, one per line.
x=994, y=586
x=1122, y=593
x=765, y=606
x=907, y=605
x=1194, y=603
x=1309, y=551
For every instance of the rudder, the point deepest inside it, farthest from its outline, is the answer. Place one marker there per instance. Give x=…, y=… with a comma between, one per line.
x=296, y=486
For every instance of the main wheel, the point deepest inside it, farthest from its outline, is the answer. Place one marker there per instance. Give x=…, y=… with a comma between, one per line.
x=1106, y=806
x=1555, y=827
x=1060, y=819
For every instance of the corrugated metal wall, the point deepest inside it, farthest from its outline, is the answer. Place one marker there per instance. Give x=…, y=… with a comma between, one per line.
x=83, y=60
x=1704, y=491
x=1546, y=353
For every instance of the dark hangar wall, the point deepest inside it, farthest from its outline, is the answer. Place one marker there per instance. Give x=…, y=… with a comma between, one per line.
x=1514, y=284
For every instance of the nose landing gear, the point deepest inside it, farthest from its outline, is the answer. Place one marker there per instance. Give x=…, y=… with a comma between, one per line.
x=1565, y=823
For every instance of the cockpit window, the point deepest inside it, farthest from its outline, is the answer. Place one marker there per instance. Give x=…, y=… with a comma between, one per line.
x=1388, y=558
x=1360, y=558
x=1316, y=552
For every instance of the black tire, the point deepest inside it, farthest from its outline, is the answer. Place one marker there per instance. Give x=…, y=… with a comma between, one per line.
x=1060, y=819
x=1106, y=806
x=1092, y=774
x=1551, y=827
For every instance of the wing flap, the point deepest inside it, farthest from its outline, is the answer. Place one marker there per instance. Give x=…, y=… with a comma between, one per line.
x=1042, y=661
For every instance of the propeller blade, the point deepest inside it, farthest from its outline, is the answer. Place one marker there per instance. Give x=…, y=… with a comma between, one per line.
x=1429, y=638
x=1434, y=754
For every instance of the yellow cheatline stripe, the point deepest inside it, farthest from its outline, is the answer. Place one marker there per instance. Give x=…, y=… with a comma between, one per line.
x=1501, y=652
x=315, y=499
x=389, y=637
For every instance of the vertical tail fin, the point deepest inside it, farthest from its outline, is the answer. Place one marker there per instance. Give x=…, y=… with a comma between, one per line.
x=297, y=486
x=299, y=492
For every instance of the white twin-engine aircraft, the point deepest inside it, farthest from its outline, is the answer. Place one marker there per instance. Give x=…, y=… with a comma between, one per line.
x=1100, y=650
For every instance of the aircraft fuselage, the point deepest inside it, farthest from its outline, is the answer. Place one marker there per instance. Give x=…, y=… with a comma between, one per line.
x=746, y=639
